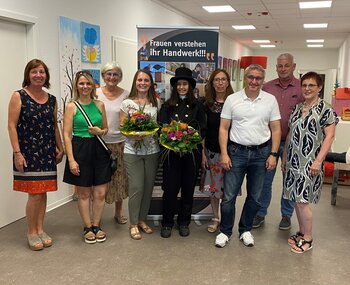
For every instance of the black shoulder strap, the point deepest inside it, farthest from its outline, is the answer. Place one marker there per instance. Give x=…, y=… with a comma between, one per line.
x=91, y=125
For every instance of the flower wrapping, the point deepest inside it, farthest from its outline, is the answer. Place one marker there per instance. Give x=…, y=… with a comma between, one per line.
x=179, y=137
x=139, y=123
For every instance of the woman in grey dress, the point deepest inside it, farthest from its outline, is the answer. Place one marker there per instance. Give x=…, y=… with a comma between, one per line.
x=311, y=132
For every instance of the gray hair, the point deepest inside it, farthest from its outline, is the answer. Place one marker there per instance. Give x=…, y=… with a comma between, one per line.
x=287, y=56
x=110, y=66
x=257, y=67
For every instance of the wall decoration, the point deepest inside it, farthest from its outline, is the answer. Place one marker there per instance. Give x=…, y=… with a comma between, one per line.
x=95, y=75
x=234, y=70
x=162, y=50
x=219, y=62
x=70, y=62
x=229, y=66
x=90, y=43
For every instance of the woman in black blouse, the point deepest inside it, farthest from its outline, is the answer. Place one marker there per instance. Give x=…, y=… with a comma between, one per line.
x=218, y=89
x=181, y=171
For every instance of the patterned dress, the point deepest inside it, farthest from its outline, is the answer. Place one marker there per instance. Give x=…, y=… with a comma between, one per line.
x=36, y=137
x=306, y=136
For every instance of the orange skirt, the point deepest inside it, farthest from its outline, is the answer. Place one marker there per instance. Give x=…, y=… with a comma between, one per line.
x=35, y=182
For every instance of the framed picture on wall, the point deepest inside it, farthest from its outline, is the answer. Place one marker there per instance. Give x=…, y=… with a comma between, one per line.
x=219, y=61
x=229, y=66
x=234, y=70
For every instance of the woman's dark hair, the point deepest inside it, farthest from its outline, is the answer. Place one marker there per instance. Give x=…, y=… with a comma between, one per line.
x=34, y=63
x=174, y=97
x=313, y=75
x=151, y=95
x=210, y=93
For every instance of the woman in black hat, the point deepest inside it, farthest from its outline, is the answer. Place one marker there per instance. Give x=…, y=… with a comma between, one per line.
x=181, y=171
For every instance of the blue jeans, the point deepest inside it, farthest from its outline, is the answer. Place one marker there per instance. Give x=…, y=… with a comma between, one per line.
x=244, y=162
x=287, y=206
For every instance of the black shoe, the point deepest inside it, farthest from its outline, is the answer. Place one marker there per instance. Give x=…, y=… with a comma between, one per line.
x=184, y=231
x=165, y=232
x=258, y=221
x=285, y=223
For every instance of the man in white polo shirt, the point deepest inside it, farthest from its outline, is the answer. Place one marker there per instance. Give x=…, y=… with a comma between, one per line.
x=249, y=119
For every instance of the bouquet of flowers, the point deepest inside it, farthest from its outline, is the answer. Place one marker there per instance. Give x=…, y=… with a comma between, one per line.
x=139, y=123
x=179, y=137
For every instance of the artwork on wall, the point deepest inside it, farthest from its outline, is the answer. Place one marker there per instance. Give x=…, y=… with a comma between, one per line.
x=219, y=61
x=234, y=70
x=224, y=63
x=229, y=66
x=79, y=43
x=90, y=43
x=70, y=62
x=95, y=75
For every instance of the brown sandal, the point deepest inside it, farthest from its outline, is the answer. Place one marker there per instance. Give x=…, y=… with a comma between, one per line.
x=212, y=228
x=134, y=232
x=145, y=228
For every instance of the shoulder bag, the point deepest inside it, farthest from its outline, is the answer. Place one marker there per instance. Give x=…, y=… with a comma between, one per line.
x=112, y=160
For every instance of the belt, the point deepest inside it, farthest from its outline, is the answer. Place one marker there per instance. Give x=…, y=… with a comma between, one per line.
x=249, y=147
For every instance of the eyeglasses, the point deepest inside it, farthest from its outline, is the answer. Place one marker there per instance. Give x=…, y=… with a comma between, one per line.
x=308, y=86
x=217, y=80
x=257, y=78
x=113, y=74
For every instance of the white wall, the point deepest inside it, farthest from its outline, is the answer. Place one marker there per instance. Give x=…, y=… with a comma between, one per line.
x=116, y=18
x=343, y=64
x=305, y=59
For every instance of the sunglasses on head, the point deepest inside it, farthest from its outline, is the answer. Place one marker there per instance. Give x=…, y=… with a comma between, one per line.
x=83, y=72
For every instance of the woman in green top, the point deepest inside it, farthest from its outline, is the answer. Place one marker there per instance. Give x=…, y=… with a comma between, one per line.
x=87, y=165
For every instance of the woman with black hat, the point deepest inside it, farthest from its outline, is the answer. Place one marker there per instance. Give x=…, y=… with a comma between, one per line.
x=181, y=171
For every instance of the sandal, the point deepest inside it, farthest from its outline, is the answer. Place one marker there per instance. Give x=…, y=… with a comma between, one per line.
x=35, y=243
x=145, y=228
x=134, y=232
x=298, y=248
x=99, y=234
x=212, y=228
x=45, y=239
x=89, y=236
x=294, y=239
x=120, y=220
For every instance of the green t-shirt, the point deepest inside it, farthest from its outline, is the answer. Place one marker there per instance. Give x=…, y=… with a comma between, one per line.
x=80, y=126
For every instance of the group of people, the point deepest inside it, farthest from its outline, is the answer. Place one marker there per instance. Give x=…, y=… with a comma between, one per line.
x=244, y=134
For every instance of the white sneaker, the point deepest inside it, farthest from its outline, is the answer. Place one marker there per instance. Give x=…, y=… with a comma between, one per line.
x=247, y=238
x=221, y=240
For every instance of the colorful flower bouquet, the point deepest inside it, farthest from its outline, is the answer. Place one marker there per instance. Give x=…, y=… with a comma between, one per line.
x=139, y=123
x=179, y=137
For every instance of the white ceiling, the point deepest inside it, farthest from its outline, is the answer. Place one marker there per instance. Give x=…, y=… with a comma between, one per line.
x=283, y=25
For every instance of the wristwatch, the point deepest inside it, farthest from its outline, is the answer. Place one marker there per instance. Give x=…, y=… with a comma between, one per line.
x=275, y=154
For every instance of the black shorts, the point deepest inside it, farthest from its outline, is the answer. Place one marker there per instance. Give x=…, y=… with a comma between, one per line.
x=93, y=162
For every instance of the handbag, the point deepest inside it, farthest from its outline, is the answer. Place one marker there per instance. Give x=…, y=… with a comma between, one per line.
x=113, y=161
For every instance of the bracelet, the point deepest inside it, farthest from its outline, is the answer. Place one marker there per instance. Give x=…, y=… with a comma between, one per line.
x=16, y=152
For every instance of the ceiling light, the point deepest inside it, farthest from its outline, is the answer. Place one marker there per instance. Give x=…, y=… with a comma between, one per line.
x=315, y=4
x=267, y=46
x=244, y=27
x=314, y=46
x=261, y=41
x=311, y=26
x=315, y=41
x=219, y=9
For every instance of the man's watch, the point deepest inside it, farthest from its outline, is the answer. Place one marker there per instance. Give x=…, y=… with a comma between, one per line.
x=275, y=154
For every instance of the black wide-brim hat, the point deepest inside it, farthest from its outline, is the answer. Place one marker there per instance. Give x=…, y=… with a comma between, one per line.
x=185, y=74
